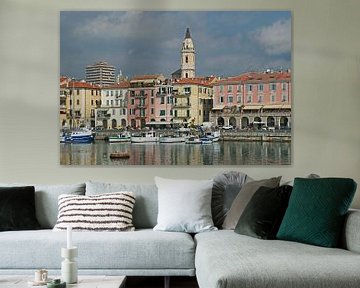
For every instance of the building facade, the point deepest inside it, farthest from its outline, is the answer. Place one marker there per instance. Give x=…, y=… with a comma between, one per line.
x=141, y=100
x=191, y=100
x=100, y=73
x=113, y=112
x=253, y=99
x=78, y=102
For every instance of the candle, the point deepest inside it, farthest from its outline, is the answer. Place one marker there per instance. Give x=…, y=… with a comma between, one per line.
x=69, y=240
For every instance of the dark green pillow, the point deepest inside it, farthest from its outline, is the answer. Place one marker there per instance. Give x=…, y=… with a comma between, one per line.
x=316, y=211
x=264, y=212
x=17, y=208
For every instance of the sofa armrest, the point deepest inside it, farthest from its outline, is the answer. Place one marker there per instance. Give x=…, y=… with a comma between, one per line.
x=351, y=234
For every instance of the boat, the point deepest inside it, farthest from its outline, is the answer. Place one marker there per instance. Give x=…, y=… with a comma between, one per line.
x=83, y=135
x=119, y=155
x=145, y=137
x=171, y=138
x=206, y=140
x=213, y=135
x=122, y=137
x=193, y=140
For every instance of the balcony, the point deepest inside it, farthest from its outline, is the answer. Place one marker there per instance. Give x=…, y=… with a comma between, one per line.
x=140, y=106
x=182, y=95
x=140, y=96
x=181, y=105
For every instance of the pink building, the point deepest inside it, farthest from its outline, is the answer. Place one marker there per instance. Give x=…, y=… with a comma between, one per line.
x=260, y=98
x=141, y=102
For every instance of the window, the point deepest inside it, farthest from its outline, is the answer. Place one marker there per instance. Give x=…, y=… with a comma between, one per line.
x=238, y=98
x=111, y=93
x=152, y=110
x=260, y=98
x=284, y=98
x=132, y=101
x=112, y=102
x=169, y=100
x=273, y=86
x=77, y=102
x=248, y=87
x=238, y=88
x=273, y=98
x=113, y=111
x=221, y=99
x=186, y=59
x=249, y=99
x=261, y=87
x=187, y=90
x=284, y=87
x=107, y=102
x=230, y=88
x=230, y=99
x=162, y=100
x=92, y=102
x=187, y=113
x=199, y=112
x=78, y=91
x=162, y=112
x=221, y=88
x=92, y=92
x=152, y=101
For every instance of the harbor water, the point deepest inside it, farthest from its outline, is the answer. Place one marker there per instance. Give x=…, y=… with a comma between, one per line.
x=217, y=153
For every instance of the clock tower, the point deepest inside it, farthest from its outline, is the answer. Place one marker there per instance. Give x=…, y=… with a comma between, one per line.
x=187, y=57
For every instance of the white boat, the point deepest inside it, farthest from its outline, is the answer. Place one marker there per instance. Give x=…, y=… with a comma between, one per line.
x=193, y=140
x=171, y=139
x=122, y=137
x=145, y=137
x=206, y=140
x=213, y=135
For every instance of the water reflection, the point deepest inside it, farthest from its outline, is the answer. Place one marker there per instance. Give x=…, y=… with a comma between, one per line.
x=220, y=153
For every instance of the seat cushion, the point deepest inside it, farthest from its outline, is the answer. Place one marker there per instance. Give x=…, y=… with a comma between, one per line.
x=143, y=249
x=225, y=259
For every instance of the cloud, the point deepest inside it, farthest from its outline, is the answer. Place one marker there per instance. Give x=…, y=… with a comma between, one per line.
x=276, y=38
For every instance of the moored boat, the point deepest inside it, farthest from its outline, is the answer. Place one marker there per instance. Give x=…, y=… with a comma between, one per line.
x=145, y=137
x=171, y=139
x=193, y=140
x=122, y=137
x=206, y=140
x=83, y=135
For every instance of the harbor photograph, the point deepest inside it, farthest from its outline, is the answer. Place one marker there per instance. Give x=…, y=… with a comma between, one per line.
x=175, y=88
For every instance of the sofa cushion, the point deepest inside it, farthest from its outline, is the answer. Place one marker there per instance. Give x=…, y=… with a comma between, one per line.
x=184, y=205
x=141, y=250
x=46, y=200
x=146, y=205
x=263, y=214
x=317, y=209
x=226, y=187
x=225, y=259
x=17, y=208
x=105, y=212
x=243, y=198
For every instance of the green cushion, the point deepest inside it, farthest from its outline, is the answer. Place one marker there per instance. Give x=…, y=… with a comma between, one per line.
x=316, y=211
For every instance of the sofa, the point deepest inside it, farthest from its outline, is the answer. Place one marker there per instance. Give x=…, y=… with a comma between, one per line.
x=218, y=258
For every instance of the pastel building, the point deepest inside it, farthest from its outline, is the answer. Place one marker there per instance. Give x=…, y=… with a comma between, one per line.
x=192, y=100
x=142, y=106
x=78, y=101
x=113, y=112
x=255, y=98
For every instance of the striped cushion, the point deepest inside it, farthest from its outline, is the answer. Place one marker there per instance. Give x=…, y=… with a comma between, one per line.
x=105, y=212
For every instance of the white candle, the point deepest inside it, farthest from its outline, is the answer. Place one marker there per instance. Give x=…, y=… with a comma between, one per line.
x=69, y=239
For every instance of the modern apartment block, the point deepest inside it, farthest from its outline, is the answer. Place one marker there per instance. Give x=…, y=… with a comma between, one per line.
x=100, y=73
x=113, y=111
x=255, y=98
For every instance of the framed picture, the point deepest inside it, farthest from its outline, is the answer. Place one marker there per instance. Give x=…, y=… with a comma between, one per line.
x=175, y=88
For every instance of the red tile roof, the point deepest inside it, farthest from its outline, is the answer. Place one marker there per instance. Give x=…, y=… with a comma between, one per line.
x=257, y=77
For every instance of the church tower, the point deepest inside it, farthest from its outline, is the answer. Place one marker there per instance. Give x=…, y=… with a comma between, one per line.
x=187, y=57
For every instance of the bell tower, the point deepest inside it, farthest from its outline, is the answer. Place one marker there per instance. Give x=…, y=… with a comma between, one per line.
x=187, y=57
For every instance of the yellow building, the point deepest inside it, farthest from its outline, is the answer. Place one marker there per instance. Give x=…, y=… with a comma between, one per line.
x=192, y=100
x=78, y=101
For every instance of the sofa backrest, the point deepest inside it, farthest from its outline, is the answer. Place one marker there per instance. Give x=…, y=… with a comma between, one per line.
x=146, y=203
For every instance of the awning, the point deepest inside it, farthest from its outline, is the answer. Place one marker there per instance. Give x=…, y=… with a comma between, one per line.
x=252, y=107
x=218, y=107
x=278, y=106
x=159, y=123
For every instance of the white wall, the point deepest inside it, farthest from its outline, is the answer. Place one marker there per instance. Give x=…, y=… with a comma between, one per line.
x=326, y=81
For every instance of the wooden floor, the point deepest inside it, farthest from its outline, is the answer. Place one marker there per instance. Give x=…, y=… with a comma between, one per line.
x=158, y=282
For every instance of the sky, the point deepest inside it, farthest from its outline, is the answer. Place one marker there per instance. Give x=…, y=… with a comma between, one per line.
x=227, y=43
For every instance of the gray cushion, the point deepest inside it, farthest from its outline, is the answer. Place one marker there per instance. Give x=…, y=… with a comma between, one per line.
x=226, y=187
x=143, y=249
x=46, y=200
x=184, y=205
x=146, y=204
x=243, y=198
x=225, y=259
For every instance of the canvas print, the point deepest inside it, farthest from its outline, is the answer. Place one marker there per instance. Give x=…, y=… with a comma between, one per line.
x=175, y=88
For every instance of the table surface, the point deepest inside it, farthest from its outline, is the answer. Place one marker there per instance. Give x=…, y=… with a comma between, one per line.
x=14, y=281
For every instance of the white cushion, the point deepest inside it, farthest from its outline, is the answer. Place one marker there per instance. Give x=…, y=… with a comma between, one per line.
x=184, y=205
x=105, y=212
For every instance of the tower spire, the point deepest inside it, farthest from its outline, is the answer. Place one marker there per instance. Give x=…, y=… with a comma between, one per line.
x=187, y=35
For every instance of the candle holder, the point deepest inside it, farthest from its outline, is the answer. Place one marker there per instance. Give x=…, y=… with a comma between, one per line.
x=68, y=265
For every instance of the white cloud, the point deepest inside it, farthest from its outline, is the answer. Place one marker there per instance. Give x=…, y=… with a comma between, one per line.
x=275, y=39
